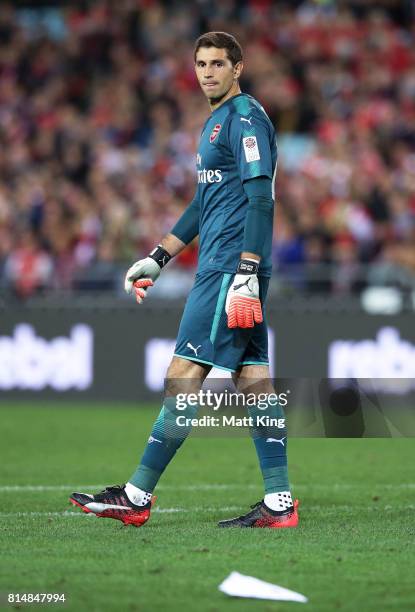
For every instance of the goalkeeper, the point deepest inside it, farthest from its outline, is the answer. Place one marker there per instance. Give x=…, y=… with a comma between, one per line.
x=223, y=323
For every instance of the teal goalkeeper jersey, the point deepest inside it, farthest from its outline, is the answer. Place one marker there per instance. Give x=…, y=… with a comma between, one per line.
x=237, y=143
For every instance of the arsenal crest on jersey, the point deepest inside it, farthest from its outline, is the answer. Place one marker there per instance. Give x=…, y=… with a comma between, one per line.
x=215, y=132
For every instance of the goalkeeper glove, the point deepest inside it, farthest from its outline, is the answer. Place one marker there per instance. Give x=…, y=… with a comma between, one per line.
x=144, y=272
x=243, y=306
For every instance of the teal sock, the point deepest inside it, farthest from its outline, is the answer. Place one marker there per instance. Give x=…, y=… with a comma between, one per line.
x=271, y=447
x=165, y=439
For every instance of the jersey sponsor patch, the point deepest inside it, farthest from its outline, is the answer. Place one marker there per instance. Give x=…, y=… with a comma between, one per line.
x=215, y=132
x=251, y=149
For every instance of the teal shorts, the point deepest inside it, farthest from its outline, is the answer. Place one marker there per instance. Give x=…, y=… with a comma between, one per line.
x=204, y=335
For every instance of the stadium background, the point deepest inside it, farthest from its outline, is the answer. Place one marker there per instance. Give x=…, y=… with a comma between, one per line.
x=100, y=116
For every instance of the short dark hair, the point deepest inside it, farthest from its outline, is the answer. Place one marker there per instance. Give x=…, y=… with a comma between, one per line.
x=220, y=40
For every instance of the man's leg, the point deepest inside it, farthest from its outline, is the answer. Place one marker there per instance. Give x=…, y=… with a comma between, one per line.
x=270, y=441
x=277, y=510
x=166, y=437
x=194, y=353
x=131, y=503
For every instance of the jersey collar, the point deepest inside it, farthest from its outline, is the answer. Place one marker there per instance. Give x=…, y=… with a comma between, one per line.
x=227, y=102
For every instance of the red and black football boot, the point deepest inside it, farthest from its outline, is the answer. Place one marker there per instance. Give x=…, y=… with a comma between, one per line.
x=262, y=516
x=113, y=503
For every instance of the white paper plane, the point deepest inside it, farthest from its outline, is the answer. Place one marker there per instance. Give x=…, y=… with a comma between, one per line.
x=238, y=585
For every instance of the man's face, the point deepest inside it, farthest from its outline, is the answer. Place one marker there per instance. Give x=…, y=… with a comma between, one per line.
x=215, y=72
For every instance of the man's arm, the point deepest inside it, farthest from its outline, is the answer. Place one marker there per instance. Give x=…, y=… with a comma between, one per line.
x=185, y=230
x=172, y=245
x=187, y=227
x=251, y=147
x=259, y=216
x=242, y=304
x=143, y=273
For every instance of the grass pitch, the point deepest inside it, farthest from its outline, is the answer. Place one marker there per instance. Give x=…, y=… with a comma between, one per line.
x=353, y=550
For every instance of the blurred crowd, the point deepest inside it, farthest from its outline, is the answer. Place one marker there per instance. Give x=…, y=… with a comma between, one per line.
x=100, y=116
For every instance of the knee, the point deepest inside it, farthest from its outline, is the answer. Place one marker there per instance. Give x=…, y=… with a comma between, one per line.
x=184, y=376
x=184, y=368
x=255, y=379
x=259, y=387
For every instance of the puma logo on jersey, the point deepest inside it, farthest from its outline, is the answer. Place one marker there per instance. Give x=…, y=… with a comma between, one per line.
x=247, y=120
x=151, y=439
x=194, y=349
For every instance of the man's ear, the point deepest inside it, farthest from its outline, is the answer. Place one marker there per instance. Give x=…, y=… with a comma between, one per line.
x=237, y=70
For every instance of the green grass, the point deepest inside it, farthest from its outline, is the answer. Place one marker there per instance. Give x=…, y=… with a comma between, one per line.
x=353, y=549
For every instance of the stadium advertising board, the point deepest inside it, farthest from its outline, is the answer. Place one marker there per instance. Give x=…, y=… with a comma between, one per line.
x=92, y=354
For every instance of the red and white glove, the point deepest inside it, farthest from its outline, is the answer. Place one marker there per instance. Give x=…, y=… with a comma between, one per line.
x=243, y=305
x=140, y=288
x=143, y=273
